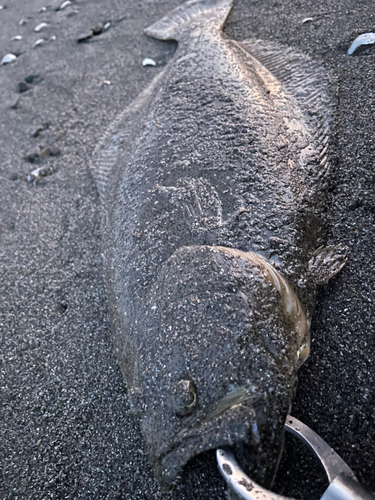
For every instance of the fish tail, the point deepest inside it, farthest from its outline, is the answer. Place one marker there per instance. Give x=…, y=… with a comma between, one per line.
x=185, y=18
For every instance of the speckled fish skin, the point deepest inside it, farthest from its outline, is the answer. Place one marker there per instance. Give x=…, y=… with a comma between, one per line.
x=214, y=155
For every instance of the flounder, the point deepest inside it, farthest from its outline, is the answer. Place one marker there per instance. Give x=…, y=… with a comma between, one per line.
x=213, y=185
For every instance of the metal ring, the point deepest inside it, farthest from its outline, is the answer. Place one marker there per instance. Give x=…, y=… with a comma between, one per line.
x=247, y=489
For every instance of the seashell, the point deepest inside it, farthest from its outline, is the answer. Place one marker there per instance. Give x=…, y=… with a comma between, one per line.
x=64, y=5
x=38, y=42
x=365, y=39
x=7, y=59
x=307, y=19
x=40, y=172
x=17, y=37
x=148, y=62
x=85, y=36
x=106, y=26
x=40, y=27
x=15, y=102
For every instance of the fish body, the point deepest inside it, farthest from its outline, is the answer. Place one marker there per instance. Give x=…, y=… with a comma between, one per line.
x=211, y=186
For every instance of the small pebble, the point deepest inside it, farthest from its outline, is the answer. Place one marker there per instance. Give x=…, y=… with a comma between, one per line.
x=31, y=78
x=39, y=42
x=17, y=37
x=54, y=150
x=53, y=38
x=22, y=22
x=40, y=27
x=15, y=102
x=23, y=87
x=64, y=5
x=7, y=59
x=98, y=29
x=43, y=153
x=32, y=157
x=85, y=36
x=106, y=26
x=148, y=62
x=43, y=9
x=40, y=129
x=46, y=170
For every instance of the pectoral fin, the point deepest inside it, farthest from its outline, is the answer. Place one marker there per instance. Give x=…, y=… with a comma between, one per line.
x=327, y=262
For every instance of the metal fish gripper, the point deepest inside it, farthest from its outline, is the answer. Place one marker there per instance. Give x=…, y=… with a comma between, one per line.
x=343, y=484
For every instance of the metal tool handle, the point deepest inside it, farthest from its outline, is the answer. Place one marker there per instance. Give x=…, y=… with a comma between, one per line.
x=343, y=483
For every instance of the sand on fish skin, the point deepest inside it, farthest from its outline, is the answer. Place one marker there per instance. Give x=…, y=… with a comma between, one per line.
x=65, y=430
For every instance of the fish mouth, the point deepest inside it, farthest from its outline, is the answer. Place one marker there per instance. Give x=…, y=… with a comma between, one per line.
x=227, y=429
x=235, y=427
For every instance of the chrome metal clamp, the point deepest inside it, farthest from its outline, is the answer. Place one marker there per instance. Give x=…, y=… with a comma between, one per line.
x=343, y=483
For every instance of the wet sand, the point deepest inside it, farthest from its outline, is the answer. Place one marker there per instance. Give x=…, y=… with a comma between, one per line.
x=65, y=430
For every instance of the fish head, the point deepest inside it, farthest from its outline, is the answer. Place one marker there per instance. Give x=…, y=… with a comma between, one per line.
x=218, y=361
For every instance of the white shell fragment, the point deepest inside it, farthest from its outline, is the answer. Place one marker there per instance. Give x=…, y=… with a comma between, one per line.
x=65, y=4
x=1, y=7
x=7, y=59
x=148, y=62
x=365, y=39
x=53, y=38
x=106, y=26
x=39, y=172
x=39, y=42
x=22, y=22
x=36, y=172
x=40, y=27
x=43, y=9
x=17, y=37
x=15, y=101
x=307, y=19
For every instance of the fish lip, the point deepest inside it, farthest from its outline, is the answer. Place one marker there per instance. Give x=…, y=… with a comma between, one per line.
x=233, y=427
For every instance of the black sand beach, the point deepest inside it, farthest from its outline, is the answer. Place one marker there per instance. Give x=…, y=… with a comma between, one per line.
x=65, y=429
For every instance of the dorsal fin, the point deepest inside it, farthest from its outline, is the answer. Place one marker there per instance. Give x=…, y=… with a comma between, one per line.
x=118, y=137
x=306, y=81
x=187, y=16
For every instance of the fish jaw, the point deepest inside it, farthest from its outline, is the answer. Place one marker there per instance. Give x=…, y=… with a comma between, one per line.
x=257, y=444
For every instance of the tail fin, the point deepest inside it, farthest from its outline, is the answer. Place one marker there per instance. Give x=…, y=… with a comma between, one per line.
x=187, y=16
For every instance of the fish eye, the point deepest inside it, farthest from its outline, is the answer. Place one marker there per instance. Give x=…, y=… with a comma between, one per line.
x=184, y=398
